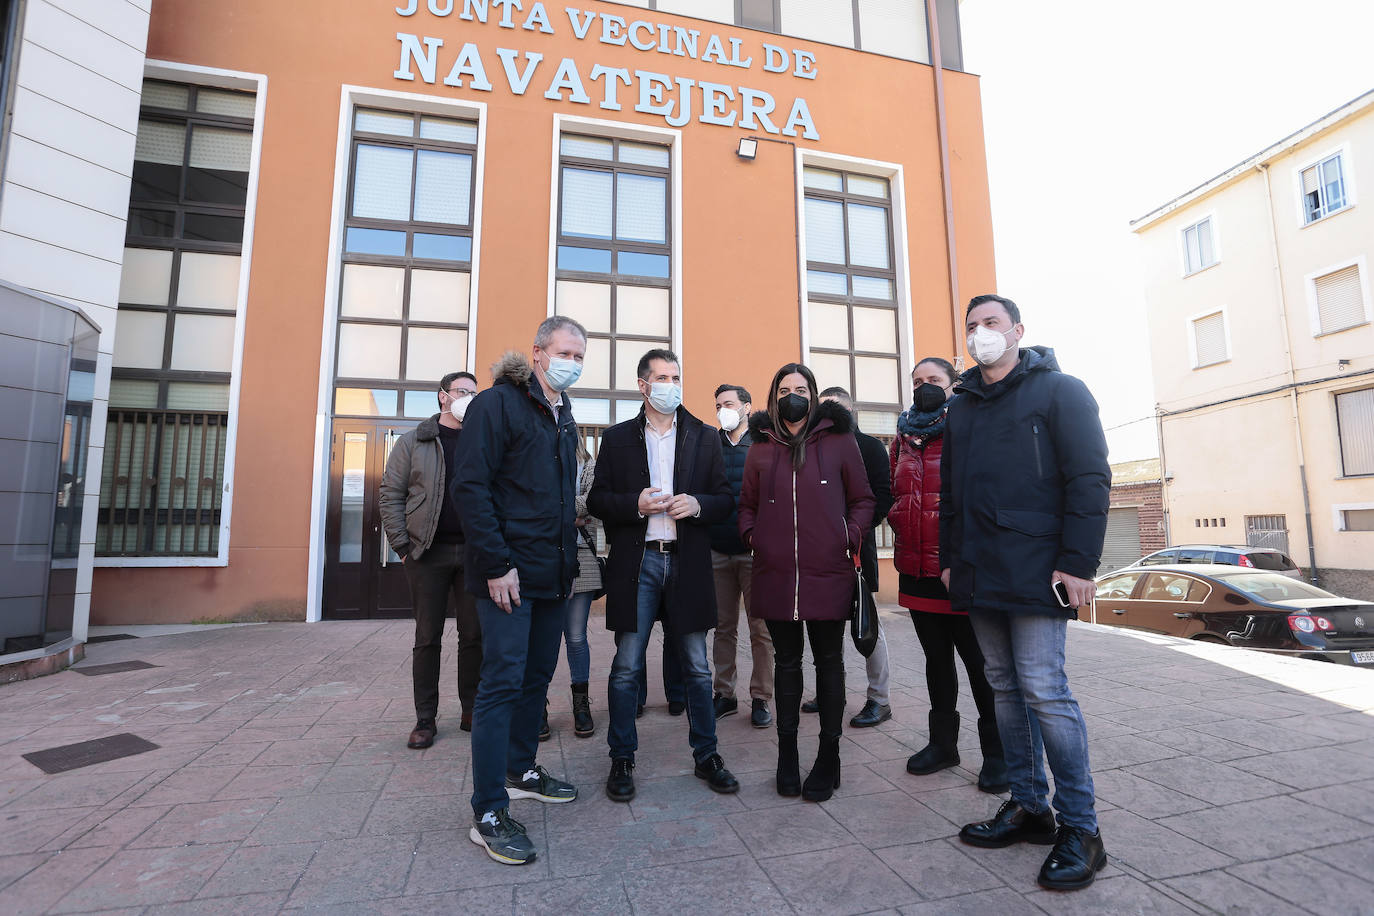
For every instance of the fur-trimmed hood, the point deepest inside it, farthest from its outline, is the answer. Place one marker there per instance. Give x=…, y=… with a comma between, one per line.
x=840, y=421
x=428, y=430
x=513, y=367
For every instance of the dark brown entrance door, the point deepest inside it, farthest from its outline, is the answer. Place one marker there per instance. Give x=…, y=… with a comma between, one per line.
x=363, y=577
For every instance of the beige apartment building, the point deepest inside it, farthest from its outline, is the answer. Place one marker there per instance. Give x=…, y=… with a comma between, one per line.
x=1258, y=288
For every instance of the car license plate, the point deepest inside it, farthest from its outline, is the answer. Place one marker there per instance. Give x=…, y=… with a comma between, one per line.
x=1362, y=658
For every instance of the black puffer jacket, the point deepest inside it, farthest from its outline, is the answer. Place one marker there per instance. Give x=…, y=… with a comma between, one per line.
x=1025, y=486
x=725, y=535
x=515, y=485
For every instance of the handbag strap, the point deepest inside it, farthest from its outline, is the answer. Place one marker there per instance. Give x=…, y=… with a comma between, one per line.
x=587, y=538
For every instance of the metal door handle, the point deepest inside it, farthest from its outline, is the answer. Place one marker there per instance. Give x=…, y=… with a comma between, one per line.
x=1183, y=616
x=1115, y=611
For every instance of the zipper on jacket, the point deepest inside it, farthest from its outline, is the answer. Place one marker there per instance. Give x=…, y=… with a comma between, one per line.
x=796, y=553
x=1035, y=441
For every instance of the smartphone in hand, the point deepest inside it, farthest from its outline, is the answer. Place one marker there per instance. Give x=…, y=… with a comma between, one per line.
x=1061, y=593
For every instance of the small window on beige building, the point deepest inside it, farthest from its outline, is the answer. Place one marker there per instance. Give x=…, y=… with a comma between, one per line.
x=1357, y=520
x=1339, y=300
x=1355, y=429
x=1209, y=340
x=1199, y=252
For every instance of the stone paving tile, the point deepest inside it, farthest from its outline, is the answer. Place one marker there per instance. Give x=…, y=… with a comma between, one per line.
x=205, y=823
x=238, y=905
x=1350, y=857
x=717, y=886
x=1001, y=901
x=366, y=868
x=441, y=776
x=844, y=880
x=448, y=860
x=678, y=798
x=1124, y=751
x=314, y=817
x=784, y=831
x=641, y=845
x=1266, y=828
x=1310, y=768
x=75, y=790
x=189, y=784
x=1120, y=894
x=272, y=782
x=1153, y=850
x=1350, y=800
x=1227, y=894
x=595, y=896
x=889, y=819
x=1262, y=735
x=346, y=778
x=118, y=827
x=1305, y=881
x=1146, y=798
x=399, y=816
x=959, y=805
x=28, y=831
x=47, y=880
x=938, y=869
x=141, y=877
x=260, y=868
x=303, y=751
x=1215, y=783
x=1197, y=743
x=12, y=868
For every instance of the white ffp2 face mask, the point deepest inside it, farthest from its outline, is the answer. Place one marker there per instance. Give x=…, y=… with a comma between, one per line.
x=459, y=407
x=728, y=418
x=986, y=346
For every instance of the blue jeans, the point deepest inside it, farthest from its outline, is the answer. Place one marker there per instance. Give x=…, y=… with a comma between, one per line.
x=575, y=635
x=656, y=577
x=519, y=655
x=674, y=690
x=1037, y=716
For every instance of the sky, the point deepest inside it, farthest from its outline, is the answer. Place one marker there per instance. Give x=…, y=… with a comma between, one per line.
x=1096, y=112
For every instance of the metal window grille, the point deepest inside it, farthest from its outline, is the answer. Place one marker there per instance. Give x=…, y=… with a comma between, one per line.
x=1267, y=531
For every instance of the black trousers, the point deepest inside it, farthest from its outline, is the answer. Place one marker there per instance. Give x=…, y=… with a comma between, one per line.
x=941, y=635
x=434, y=577
x=827, y=652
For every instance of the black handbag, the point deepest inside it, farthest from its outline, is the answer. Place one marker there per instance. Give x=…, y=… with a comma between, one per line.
x=863, y=614
x=600, y=562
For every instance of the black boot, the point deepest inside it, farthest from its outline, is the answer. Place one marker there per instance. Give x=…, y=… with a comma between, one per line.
x=545, y=733
x=943, y=750
x=993, y=776
x=824, y=777
x=583, y=726
x=789, y=771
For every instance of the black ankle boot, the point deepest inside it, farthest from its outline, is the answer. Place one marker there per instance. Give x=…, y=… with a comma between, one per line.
x=583, y=726
x=943, y=750
x=993, y=776
x=824, y=777
x=789, y=772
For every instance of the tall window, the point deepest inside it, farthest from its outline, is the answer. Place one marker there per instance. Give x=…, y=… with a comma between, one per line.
x=1210, y=345
x=174, y=334
x=852, y=292
x=614, y=264
x=406, y=281
x=1355, y=429
x=1323, y=189
x=1198, y=250
x=1339, y=300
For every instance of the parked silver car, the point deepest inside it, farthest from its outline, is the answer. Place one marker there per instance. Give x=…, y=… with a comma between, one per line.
x=1264, y=558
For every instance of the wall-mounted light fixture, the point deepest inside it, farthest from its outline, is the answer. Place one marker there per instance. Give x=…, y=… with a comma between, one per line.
x=748, y=148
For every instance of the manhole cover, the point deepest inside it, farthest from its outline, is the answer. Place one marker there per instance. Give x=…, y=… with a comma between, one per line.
x=112, y=668
x=84, y=753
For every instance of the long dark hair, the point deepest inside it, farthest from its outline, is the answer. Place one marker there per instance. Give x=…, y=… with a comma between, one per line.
x=796, y=443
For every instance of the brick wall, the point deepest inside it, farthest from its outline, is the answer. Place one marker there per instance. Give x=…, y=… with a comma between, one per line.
x=1150, y=498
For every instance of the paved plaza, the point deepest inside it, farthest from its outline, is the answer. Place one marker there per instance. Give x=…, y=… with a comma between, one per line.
x=1227, y=782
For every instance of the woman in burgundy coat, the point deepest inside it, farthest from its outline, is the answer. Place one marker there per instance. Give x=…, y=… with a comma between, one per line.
x=915, y=520
x=803, y=509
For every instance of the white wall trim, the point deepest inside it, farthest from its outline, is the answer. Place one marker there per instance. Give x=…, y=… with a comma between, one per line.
x=1208, y=217
x=1192, y=335
x=896, y=176
x=1338, y=523
x=1347, y=176
x=602, y=127
x=1309, y=282
x=349, y=97
x=256, y=83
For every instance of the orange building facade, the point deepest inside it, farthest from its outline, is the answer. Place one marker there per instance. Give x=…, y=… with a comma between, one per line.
x=385, y=190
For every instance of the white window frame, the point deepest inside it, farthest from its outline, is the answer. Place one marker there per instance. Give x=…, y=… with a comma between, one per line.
x=896, y=178
x=1347, y=178
x=1338, y=516
x=602, y=127
x=1314, y=319
x=350, y=99
x=1340, y=448
x=1192, y=336
x=1211, y=219
x=256, y=83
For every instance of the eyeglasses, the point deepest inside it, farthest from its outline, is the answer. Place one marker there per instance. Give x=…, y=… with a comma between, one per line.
x=460, y=392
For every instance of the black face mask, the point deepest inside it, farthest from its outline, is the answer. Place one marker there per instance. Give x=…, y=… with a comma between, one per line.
x=927, y=397
x=793, y=407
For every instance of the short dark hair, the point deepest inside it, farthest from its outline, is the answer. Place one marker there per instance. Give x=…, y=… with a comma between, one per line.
x=447, y=381
x=1012, y=311
x=667, y=356
x=945, y=365
x=739, y=391
x=839, y=394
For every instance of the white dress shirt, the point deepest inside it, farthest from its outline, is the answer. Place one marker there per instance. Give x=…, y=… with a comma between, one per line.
x=662, y=451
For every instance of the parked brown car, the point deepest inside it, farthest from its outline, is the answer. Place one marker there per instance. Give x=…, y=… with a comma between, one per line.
x=1242, y=607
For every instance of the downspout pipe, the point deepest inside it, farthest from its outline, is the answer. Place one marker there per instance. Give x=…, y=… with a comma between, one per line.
x=1313, y=575
x=942, y=133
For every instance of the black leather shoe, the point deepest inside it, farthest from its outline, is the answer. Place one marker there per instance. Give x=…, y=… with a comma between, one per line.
x=760, y=717
x=872, y=713
x=423, y=735
x=1074, y=861
x=725, y=706
x=1011, y=824
x=811, y=706
x=713, y=770
x=676, y=707
x=620, y=785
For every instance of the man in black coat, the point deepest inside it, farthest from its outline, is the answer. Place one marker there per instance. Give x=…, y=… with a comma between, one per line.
x=877, y=705
x=1025, y=486
x=515, y=485
x=659, y=485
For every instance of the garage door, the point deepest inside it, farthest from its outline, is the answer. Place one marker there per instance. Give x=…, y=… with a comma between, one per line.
x=1122, y=547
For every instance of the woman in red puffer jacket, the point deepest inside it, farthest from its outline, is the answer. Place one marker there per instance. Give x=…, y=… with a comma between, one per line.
x=804, y=506
x=915, y=519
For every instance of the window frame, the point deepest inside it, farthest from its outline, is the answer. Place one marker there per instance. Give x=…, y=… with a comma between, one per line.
x=1341, y=152
x=1190, y=324
x=1188, y=269
x=1313, y=306
x=1338, y=511
x=1340, y=442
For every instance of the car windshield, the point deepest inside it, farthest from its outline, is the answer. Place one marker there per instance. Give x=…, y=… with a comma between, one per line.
x=1269, y=560
x=1269, y=586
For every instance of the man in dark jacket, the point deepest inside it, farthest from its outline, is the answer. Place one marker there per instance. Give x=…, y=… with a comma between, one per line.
x=1023, y=511
x=877, y=706
x=516, y=488
x=423, y=527
x=659, y=483
x=732, y=566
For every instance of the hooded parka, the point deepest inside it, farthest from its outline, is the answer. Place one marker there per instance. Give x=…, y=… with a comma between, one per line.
x=915, y=515
x=804, y=525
